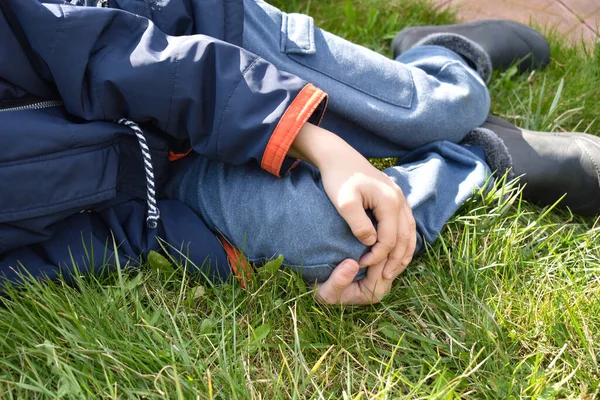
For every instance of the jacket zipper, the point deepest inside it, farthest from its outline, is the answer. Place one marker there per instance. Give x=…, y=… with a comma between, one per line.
x=35, y=106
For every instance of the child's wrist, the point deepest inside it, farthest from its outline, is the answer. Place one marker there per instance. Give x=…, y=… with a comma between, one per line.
x=317, y=146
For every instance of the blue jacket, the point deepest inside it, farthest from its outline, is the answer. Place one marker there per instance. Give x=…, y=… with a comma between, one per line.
x=74, y=182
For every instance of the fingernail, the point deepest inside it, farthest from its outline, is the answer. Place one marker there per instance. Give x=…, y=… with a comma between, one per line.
x=372, y=238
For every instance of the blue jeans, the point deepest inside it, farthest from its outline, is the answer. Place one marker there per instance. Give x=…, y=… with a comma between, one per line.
x=415, y=109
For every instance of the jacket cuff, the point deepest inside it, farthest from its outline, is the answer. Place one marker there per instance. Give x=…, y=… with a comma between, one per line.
x=310, y=104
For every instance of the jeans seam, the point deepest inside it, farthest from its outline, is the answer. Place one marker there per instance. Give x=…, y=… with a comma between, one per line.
x=397, y=104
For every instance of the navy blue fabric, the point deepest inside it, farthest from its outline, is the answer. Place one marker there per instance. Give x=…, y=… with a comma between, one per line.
x=108, y=64
x=71, y=172
x=86, y=240
x=219, y=19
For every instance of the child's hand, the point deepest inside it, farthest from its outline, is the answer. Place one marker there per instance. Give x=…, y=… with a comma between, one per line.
x=354, y=185
x=340, y=288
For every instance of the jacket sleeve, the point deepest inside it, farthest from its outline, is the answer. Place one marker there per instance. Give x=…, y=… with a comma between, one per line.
x=108, y=64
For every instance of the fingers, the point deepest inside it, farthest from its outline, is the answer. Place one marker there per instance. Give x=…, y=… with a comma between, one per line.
x=341, y=288
x=386, y=209
x=333, y=290
x=353, y=212
x=412, y=232
x=373, y=287
x=369, y=290
x=396, y=235
x=386, y=215
x=401, y=255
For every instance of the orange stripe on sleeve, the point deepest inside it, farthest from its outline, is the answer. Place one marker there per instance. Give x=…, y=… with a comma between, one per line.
x=294, y=118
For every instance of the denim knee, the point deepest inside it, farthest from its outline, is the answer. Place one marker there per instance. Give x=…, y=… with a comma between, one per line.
x=265, y=216
x=450, y=98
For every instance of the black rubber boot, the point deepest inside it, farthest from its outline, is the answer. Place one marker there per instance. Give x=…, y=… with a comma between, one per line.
x=506, y=42
x=553, y=164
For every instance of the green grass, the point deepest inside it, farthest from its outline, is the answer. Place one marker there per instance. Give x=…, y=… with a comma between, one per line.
x=505, y=305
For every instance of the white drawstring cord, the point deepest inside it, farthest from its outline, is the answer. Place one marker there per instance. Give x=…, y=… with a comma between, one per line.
x=153, y=211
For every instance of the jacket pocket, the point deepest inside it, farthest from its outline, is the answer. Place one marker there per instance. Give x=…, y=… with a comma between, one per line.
x=68, y=180
x=358, y=68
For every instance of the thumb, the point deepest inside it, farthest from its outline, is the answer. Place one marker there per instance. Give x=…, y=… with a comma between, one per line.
x=341, y=278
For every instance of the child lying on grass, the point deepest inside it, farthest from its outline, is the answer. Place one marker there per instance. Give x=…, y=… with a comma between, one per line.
x=234, y=92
